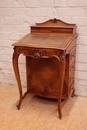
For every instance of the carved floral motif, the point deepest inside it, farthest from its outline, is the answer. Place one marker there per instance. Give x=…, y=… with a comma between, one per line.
x=62, y=56
x=36, y=53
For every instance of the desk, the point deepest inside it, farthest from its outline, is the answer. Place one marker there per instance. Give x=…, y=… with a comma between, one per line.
x=50, y=61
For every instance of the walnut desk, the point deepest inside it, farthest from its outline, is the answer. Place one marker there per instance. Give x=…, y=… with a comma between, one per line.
x=50, y=60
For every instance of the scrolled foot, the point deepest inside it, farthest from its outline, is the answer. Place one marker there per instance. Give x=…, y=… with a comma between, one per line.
x=60, y=116
x=18, y=107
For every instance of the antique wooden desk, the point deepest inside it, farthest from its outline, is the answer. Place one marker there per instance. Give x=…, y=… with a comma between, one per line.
x=50, y=60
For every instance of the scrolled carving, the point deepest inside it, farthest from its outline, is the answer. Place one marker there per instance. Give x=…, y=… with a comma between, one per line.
x=15, y=53
x=62, y=56
x=36, y=53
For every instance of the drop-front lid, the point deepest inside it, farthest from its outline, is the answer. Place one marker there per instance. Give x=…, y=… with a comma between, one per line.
x=37, y=41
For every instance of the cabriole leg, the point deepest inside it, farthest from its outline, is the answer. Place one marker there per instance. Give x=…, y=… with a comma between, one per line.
x=62, y=75
x=17, y=75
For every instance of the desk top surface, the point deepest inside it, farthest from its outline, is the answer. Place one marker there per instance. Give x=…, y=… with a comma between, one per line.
x=43, y=41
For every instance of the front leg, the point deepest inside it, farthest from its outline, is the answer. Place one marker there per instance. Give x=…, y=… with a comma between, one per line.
x=62, y=74
x=17, y=75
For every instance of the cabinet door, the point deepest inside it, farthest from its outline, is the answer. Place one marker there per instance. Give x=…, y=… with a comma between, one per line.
x=43, y=78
